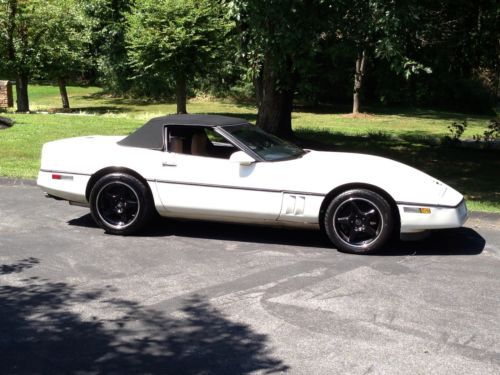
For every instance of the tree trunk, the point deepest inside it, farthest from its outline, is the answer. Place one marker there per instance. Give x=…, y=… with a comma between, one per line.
x=11, y=50
x=257, y=83
x=358, y=80
x=180, y=93
x=23, y=104
x=64, y=93
x=275, y=110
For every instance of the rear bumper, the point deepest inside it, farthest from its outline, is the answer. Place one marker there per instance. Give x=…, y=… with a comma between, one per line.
x=440, y=217
x=69, y=186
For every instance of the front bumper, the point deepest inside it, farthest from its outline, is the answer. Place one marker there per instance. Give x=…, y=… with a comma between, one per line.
x=440, y=217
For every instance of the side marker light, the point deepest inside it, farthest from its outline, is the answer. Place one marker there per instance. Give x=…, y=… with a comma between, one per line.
x=417, y=210
x=61, y=177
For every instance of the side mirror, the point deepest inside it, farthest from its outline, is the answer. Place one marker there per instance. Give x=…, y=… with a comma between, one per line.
x=242, y=158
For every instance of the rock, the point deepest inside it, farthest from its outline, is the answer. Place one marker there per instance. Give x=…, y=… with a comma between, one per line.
x=6, y=122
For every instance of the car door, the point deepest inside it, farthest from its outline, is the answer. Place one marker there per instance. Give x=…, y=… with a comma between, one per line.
x=214, y=187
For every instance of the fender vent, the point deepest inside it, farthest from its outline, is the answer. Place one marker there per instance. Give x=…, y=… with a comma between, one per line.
x=294, y=205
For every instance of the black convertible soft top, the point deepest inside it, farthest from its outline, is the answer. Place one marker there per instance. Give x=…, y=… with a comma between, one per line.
x=151, y=134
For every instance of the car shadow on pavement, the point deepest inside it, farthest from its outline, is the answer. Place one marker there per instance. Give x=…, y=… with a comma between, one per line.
x=42, y=331
x=458, y=241
x=162, y=227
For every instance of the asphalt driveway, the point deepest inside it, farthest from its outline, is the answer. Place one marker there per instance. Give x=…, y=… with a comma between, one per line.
x=204, y=298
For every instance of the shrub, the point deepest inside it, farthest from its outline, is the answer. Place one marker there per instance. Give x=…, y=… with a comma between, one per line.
x=456, y=130
x=492, y=132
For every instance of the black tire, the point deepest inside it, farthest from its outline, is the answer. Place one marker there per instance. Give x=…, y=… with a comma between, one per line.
x=121, y=204
x=359, y=221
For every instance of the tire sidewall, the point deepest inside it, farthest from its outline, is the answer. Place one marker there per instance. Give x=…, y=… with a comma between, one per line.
x=143, y=195
x=385, y=210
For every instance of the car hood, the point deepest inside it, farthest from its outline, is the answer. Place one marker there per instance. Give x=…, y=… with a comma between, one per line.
x=319, y=171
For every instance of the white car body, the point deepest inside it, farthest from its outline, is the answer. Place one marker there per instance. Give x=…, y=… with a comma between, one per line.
x=282, y=192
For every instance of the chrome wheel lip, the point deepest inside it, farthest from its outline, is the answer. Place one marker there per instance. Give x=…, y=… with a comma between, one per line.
x=379, y=226
x=111, y=225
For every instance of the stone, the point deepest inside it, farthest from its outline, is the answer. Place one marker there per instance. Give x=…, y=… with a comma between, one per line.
x=6, y=122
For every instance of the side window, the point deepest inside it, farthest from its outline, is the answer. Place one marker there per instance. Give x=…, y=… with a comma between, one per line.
x=215, y=138
x=219, y=147
x=198, y=141
x=177, y=139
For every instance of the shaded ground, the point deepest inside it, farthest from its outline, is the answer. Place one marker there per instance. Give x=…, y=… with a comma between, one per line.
x=42, y=332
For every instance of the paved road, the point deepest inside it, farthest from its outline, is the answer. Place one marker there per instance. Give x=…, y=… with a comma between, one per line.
x=201, y=298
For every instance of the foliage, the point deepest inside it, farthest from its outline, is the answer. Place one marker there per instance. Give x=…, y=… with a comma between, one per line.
x=457, y=129
x=459, y=40
x=107, y=52
x=278, y=42
x=169, y=40
x=492, y=132
x=438, y=54
x=386, y=29
x=21, y=28
x=286, y=32
x=61, y=49
x=45, y=38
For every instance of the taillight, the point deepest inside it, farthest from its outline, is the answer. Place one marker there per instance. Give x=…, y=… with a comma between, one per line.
x=56, y=176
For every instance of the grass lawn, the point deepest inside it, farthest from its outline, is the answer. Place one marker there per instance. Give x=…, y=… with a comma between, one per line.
x=410, y=136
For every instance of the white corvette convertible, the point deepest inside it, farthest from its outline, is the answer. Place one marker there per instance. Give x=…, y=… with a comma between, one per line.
x=222, y=168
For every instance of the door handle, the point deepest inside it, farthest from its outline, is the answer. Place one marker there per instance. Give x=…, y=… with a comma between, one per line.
x=169, y=164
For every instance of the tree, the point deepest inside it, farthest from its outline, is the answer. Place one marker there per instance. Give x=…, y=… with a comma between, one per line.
x=278, y=39
x=176, y=40
x=460, y=41
x=19, y=36
x=108, y=52
x=63, y=47
x=378, y=29
x=32, y=36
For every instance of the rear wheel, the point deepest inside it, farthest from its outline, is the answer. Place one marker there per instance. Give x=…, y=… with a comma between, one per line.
x=120, y=204
x=359, y=221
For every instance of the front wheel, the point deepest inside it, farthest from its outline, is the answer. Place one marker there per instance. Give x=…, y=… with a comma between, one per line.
x=359, y=221
x=120, y=204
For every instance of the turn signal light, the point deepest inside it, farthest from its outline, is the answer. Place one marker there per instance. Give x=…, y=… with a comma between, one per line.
x=417, y=210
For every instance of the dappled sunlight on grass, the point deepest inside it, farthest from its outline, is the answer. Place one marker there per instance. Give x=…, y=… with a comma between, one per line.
x=93, y=101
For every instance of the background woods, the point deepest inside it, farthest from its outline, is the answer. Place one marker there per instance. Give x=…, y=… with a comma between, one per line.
x=277, y=54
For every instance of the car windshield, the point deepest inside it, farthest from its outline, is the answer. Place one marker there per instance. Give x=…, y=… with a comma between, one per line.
x=267, y=146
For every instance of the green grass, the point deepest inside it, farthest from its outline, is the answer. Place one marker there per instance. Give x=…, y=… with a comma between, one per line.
x=91, y=100
x=410, y=136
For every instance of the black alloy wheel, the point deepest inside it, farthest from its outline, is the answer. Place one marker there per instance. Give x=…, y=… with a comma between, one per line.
x=359, y=221
x=120, y=204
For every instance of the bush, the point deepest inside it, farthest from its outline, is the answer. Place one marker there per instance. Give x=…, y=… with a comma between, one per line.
x=492, y=132
x=451, y=93
x=456, y=130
